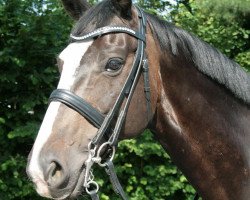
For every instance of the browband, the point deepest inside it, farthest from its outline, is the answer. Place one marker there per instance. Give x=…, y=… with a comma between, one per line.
x=109, y=29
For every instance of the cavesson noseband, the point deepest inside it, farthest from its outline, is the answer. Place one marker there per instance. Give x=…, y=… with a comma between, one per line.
x=103, y=123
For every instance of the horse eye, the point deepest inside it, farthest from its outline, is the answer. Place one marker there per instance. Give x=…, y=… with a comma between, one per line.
x=114, y=64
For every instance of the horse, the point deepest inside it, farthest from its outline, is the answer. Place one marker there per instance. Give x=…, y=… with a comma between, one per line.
x=125, y=70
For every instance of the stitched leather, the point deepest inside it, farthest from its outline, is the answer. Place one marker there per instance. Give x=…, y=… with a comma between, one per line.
x=78, y=104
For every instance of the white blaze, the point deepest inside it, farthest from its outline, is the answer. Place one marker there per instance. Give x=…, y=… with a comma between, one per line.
x=71, y=57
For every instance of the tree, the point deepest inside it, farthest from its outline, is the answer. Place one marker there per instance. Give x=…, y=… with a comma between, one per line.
x=224, y=24
x=31, y=34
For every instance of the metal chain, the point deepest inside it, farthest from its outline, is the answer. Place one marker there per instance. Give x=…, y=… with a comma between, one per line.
x=95, y=157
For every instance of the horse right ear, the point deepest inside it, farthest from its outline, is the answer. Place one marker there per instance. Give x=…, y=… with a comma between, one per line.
x=76, y=8
x=123, y=7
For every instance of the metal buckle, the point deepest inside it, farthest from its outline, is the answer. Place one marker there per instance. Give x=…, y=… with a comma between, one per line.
x=98, y=158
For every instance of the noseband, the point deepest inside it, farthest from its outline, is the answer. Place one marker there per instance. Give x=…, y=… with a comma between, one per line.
x=97, y=119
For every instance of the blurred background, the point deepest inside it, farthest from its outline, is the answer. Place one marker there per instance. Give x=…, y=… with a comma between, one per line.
x=33, y=32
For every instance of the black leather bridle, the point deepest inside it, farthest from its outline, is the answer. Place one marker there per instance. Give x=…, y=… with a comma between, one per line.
x=103, y=123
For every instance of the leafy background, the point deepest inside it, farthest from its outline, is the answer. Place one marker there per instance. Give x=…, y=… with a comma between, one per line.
x=32, y=32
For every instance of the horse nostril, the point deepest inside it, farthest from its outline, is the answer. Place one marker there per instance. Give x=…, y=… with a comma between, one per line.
x=54, y=171
x=56, y=177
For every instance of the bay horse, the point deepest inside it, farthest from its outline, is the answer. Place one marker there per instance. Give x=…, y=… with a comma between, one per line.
x=125, y=70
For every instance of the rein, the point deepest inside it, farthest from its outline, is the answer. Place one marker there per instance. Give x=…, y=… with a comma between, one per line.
x=103, y=123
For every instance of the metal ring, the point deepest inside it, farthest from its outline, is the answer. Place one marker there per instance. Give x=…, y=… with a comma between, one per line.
x=94, y=190
x=89, y=146
x=99, y=151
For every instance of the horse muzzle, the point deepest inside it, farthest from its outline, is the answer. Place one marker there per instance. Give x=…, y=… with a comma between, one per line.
x=56, y=179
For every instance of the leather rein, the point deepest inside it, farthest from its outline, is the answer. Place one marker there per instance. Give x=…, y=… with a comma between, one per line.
x=103, y=123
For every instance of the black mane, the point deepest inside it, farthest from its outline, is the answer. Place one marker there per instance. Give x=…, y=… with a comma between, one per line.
x=207, y=59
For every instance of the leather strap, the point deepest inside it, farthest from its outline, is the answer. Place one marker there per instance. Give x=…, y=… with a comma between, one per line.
x=196, y=197
x=94, y=195
x=110, y=170
x=127, y=89
x=78, y=104
x=147, y=88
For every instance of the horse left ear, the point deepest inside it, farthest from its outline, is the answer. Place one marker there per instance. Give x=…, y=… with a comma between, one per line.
x=123, y=7
x=76, y=8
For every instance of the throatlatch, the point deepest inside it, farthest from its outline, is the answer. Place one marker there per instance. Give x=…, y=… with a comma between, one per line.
x=103, y=123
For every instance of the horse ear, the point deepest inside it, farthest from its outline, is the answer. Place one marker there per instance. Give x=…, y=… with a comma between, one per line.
x=123, y=7
x=76, y=8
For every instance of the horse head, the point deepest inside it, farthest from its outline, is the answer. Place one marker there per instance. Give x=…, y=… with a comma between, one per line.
x=95, y=69
x=125, y=70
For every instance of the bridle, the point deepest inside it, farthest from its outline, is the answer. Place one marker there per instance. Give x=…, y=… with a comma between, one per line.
x=103, y=123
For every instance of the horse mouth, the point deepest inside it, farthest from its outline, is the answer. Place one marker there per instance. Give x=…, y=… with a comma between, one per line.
x=71, y=192
x=78, y=189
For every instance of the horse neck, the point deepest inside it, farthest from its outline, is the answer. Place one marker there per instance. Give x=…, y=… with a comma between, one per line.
x=204, y=129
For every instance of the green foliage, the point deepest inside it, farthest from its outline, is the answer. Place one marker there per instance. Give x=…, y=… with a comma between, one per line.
x=229, y=34
x=144, y=179
x=159, y=179
x=13, y=184
x=155, y=7
x=244, y=60
x=231, y=9
x=32, y=32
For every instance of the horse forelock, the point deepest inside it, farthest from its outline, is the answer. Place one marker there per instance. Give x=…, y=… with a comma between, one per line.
x=204, y=57
x=97, y=16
